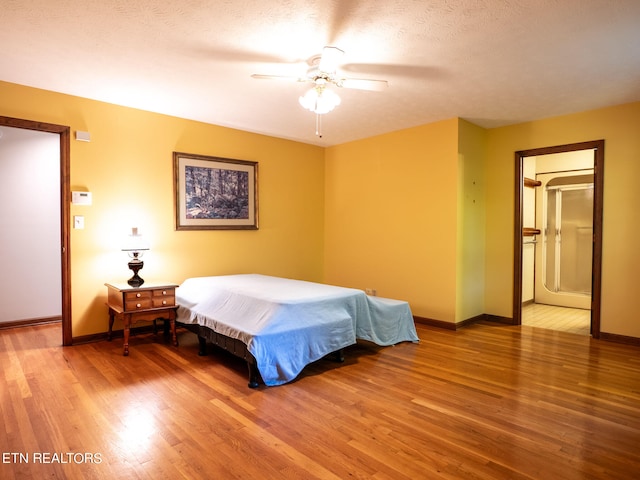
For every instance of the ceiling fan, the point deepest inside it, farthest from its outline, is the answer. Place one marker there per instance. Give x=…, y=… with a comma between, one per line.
x=323, y=73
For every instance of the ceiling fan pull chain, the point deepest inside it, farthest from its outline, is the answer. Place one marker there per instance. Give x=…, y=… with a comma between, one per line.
x=318, y=125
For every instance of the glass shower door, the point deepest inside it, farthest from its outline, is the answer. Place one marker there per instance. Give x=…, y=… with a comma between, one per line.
x=565, y=254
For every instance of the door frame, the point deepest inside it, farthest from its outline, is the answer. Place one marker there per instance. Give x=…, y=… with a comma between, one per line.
x=596, y=260
x=65, y=200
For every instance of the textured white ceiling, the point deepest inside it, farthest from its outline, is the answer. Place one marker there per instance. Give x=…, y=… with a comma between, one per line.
x=493, y=62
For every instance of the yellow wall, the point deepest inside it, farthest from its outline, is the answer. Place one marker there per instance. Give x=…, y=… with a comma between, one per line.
x=128, y=168
x=470, y=272
x=426, y=214
x=618, y=126
x=405, y=215
x=391, y=214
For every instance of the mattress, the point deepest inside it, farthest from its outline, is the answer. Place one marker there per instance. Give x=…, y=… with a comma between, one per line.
x=287, y=324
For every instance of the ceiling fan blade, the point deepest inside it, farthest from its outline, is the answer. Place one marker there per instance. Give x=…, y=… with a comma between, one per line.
x=329, y=60
x=363, y=84
x=279, y=77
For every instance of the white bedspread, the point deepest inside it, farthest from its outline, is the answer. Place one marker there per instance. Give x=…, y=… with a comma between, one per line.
x=287, y=324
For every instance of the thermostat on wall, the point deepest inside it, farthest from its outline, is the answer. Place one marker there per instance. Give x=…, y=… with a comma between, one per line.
x=81, y=198
x=83, y=136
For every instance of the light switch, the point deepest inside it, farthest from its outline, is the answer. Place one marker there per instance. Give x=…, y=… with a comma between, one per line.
x=78, y=222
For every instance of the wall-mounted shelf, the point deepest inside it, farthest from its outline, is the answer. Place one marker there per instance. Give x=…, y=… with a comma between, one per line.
x=529, y=182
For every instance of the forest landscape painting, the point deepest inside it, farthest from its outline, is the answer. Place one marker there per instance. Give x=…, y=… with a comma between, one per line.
x=215, y=193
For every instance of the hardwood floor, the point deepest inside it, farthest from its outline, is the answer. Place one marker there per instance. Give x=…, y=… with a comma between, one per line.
x=572, y=320
x=488, y=402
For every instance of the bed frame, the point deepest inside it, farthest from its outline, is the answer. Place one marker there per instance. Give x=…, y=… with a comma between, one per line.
x=235, y=347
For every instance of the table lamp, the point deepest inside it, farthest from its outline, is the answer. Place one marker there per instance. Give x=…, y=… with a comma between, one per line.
x=135, y=245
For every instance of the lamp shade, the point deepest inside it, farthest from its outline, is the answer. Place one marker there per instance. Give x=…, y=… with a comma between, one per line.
x=135, y=242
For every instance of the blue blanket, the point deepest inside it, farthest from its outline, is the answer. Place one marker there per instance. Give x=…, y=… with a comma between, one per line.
x=287, y=324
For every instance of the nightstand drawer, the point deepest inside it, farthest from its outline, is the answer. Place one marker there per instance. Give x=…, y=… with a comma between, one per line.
x=164, y=292
x=164, y=297
x=137, y=300
x=139, y=304
x=160, y=302
x=136, y=296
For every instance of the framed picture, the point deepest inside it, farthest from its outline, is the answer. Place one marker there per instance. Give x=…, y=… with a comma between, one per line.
x=215, y=193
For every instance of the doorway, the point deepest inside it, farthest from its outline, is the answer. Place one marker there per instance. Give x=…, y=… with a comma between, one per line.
x=555, y=275
x=65, y=198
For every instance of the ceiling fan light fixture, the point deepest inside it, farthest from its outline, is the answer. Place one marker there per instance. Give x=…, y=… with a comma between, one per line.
x=320, y=100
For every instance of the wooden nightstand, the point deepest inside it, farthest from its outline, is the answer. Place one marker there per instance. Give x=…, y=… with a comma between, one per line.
x=148, y=302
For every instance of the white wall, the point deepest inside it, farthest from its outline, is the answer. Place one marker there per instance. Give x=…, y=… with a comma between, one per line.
x=30, y=284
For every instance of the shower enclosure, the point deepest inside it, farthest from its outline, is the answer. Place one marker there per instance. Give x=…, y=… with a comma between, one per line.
x=564, y=209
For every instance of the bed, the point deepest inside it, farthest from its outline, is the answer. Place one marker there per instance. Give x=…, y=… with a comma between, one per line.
x=279, y=325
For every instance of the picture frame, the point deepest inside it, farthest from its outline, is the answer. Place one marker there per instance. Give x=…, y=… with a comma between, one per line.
x=214, y=193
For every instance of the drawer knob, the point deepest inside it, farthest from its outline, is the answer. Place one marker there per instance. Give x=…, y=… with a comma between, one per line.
x=138, y=305
x=164, y=292
x=138, y=295
x=164, y=302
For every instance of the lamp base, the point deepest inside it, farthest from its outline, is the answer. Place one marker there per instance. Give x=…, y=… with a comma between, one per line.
x=136, y=265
